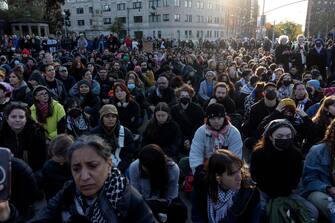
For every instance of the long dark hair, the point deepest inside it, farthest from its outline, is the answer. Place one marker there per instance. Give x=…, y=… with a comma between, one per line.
x=153, y=124
x=155, y=161
x=220, y=162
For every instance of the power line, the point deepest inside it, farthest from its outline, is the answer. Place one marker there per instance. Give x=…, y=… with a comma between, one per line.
x=282, y=6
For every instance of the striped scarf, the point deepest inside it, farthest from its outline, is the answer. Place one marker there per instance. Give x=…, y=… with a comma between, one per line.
x=217, y=211
x=113, y=190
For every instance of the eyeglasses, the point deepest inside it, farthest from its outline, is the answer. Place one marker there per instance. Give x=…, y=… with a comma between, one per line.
x=42, y=94
x=49, y=70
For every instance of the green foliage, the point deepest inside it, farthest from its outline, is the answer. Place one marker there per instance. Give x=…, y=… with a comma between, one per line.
x=117, y=26
x=288, y=28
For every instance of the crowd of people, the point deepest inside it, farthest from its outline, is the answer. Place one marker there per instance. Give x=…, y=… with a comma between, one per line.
x=115, y=132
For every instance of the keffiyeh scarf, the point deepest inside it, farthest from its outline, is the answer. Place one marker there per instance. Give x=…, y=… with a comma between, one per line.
x=219, y=136
x=217, y=211
x=113, y=190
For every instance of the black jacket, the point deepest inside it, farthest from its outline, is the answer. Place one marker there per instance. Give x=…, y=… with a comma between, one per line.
x=127, y=152
x=277, y=173
x=189, y=119
x=167, y=136
x=24, y=188
x=167, y=96
x=30, y=139
x=129, y=116
x=132, y=208
x=52, y=177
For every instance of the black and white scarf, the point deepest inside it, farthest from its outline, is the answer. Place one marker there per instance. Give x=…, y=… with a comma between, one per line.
x=113, y=190
x=218, y=210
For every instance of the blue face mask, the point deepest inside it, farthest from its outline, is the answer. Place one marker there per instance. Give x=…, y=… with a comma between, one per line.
x=131, y=86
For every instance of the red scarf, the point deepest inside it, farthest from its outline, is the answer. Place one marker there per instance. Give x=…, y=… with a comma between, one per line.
x=43, y=112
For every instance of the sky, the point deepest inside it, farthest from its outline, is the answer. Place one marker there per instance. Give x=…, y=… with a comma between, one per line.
x=295, y=13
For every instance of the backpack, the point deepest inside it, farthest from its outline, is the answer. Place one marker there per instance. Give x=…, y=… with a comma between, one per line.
x=287, y=210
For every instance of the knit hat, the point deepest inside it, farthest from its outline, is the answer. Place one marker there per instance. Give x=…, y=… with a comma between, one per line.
x=315, y=83
x=107, y=109
x=26, y=52
x=40, y=88
x=288, y=104
x=210, y=73
x=276, y=124
x=37, y=76
x=215, y=110
x=81, y=82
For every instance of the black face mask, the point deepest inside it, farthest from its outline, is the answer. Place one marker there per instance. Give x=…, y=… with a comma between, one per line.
x=271, y=95
x=74, y=113
x=185, y=101
x=283, y=144
x=286, y=83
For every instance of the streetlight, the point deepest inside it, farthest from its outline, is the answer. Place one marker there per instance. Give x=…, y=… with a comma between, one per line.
x=65, y=25
x=136, y=5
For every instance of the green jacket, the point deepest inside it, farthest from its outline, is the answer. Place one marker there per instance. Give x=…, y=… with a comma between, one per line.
x=51, y=125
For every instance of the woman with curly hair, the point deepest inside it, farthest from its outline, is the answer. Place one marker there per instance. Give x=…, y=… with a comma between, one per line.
x=318, y=175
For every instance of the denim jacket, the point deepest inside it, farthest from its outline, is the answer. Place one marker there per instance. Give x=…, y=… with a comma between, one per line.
x=316, y=173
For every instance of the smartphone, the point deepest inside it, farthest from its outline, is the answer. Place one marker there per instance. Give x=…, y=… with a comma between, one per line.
x=5, y=173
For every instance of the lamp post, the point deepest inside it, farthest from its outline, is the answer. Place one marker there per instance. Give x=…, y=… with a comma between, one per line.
x=65, y=25
x=136, y=5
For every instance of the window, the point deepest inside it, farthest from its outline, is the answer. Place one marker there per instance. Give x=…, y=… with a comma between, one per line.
x=107, y=21
x=188, y=18
x=154, y=18
x=198, y=34
x=106, y=8
x=90, y=9
x=166, y=17
x=188, y=4
x=121, y=6
x=198, y=18
x=165, y=3
x=201, y=5
x=81, y=22
x=190, y=33
x=177, y=3
x=210, y=5
x=137, y=5
x=186, y=34
x=80, y=10
x=122, y=19
x=154, y=3
x=138, y=19
x=177, y=17
x=91, y=22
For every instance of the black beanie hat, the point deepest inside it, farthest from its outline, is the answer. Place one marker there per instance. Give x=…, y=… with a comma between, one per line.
x=215, y=110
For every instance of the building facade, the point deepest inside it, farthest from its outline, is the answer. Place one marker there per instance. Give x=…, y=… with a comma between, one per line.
x=170, y=19
x=320, y=18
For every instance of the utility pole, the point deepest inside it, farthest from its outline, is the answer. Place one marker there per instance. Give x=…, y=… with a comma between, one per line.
x=262, y=20
x=273, y=33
